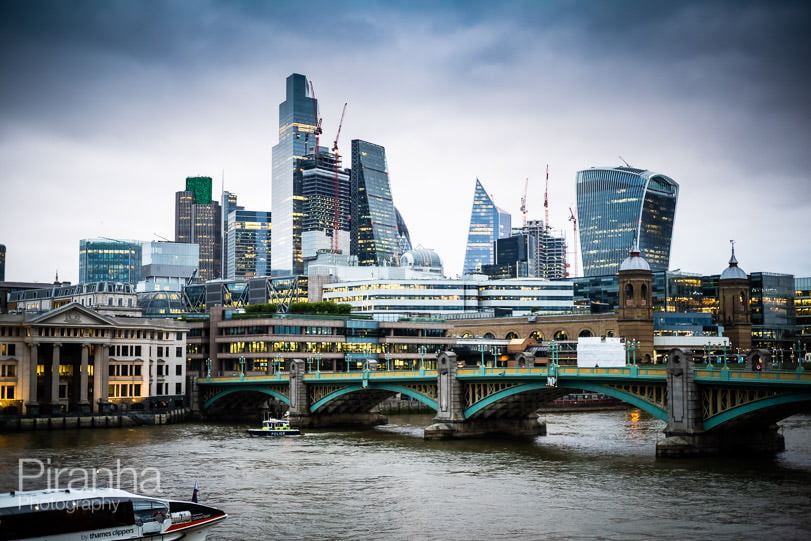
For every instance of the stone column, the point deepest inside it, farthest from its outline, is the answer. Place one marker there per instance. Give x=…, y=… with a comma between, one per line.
x=685, y=428
x=299, y=406
x=84, y=405
x=57, y=351
x=101, y=378
x=449, y=416
x=32, y=405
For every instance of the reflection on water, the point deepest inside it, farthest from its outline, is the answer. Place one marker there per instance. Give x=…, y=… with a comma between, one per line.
x=594, y=475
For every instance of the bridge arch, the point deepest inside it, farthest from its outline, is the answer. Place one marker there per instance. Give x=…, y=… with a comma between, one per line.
x=634, y=400
x=252, y=388
x=431, y=403
x=759, y=406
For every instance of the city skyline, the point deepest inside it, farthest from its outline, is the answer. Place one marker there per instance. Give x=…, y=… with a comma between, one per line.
x=108, y=107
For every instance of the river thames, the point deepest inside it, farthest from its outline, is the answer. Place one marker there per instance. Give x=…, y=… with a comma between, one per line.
x=594, y=476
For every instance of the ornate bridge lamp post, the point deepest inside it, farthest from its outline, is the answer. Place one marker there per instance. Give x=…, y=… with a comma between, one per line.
x=242, y=368
x=208, y=368
x=277, y=365
x=631, y=347
x=318, y=363
x=309, y=364
x=554, y=349
x=724, y=349
x=422, y=350
x=796, y=350
x=707, y=356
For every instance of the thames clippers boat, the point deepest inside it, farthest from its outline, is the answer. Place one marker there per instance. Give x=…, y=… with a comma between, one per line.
x=110, y=514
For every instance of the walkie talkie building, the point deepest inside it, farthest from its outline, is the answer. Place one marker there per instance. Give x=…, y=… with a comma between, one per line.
x=617, y=205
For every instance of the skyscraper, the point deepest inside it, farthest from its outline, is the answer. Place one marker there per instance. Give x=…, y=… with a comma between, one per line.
x=229, y=204
x=248, y=244
x=375, y=238
x=316, y=180
x=615, y=206
x=487, y=223
x=109, y=260
x=2, y=262
x=549, y=258
x=297, y=134
x=198, y=220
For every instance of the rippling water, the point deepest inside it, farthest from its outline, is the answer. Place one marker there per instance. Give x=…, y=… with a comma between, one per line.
x=594, y=476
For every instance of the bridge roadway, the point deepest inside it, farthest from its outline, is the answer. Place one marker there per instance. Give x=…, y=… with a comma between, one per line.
x=708, y=409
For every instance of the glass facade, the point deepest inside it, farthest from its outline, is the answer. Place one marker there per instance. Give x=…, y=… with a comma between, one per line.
x=167, y=266
x=802, y=310
x=616, y=206
x=2, y=262
x=109, y=260
x=402, y=231
x=773, y=316
x=487, y=223
x=375, y=237
x=248, y=244
x=297, y=138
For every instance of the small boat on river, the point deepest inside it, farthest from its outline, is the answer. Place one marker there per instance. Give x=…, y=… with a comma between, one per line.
x=272, y=427
x=101, y=513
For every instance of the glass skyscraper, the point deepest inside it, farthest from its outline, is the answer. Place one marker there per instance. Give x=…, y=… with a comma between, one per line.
x=109, y=260
x=375, y=237
x=248, y=244
x=487, y=223
x=617, y=205
x=297, y=125
x=315, y=183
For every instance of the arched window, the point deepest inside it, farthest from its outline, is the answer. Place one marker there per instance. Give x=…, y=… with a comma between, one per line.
x=537, y=335
x=467, y=335
x=644, y=291
x=585, y=333
x=489, y=336
x=610, y=334
x=511, y=336
x=629, y=292
x=561, y=335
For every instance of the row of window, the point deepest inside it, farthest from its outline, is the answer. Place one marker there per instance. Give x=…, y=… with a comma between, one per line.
x=123, y=390
x=9, y=331
x=6, y=392
x=8, y=370
x=8, y=350
x=317, y=347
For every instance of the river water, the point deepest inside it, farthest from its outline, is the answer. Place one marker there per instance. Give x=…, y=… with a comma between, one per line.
x=594, y=476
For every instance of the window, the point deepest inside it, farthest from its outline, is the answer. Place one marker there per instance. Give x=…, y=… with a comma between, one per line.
x=179, y=370
x=178, y=388
x=178, y=351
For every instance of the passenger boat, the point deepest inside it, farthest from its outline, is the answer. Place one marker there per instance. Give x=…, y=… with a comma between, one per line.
x=275, y=427
x=103, y=513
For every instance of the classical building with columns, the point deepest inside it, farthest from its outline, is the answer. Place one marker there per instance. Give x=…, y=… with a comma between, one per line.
x=75, y=360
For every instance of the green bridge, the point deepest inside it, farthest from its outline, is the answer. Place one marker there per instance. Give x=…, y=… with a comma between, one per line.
x=707, y=409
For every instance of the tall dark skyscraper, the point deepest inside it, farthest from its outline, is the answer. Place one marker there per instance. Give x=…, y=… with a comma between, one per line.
x=198, y=220
x=616, y=205
x=2, y=262
x=487, y=223
x=375, y=237
x=297, y=126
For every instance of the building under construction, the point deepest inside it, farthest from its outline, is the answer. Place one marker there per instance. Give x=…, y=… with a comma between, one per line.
x=549, y=258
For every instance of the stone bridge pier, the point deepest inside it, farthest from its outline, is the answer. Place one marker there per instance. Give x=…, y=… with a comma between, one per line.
x=685, y=434
x=450, y=421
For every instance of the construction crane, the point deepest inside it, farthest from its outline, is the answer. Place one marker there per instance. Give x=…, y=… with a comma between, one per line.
x=317, y=130
x=573, y=219
x=337, y=195
x=524, y=203
x=546, y=200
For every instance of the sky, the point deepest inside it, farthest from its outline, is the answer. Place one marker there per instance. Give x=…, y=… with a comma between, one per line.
x=107, y=106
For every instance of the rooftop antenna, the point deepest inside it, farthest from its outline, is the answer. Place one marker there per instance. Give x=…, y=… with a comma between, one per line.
x=161, y=237
x=626, y=163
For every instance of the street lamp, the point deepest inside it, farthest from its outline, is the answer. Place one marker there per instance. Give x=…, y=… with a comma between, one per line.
x=422, y=350
x=318, y=363
x=277, y=364
x=208, y=368
x=631, y=347
x=242, y=368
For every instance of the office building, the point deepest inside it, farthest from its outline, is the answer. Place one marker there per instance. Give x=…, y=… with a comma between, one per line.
x=802, y=310
x=616, y=206
x=375, y=237
x=229, y=204
x=248, y=243
x=168, y=266
x=109, y=260
x=198, y=220
x=487, y=223
x=404, y=240
x=513, y=258
x=297, y=139
x=322, y=187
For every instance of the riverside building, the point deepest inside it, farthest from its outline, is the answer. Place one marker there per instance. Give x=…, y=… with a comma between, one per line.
x=75, y=360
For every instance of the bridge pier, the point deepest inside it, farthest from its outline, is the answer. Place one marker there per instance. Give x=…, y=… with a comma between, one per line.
x=450, y=422
x=685, y=435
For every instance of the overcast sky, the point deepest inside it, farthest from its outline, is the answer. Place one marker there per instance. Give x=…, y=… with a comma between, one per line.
x=107, y=106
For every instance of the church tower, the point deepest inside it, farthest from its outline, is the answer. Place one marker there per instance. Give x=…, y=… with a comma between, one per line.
x=734, y=309
x=635, y=316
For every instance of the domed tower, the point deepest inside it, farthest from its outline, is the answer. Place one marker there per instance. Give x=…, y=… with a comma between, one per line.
x=734, y=310
x=635, y=316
